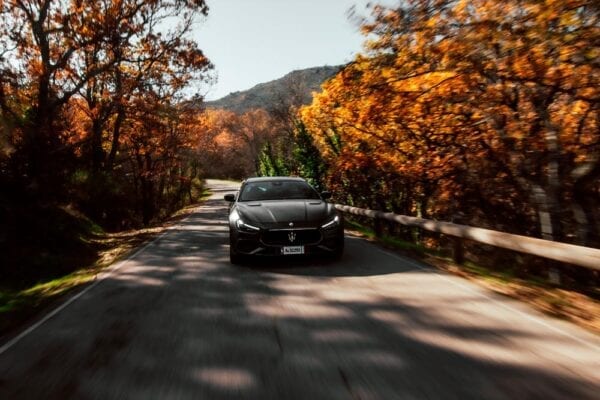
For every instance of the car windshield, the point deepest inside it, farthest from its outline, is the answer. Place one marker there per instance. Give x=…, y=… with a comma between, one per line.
x=277, y=190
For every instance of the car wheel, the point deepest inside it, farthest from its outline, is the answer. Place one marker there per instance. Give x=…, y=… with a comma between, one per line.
x=339, y=251
x=234, y=257
x=337, y=255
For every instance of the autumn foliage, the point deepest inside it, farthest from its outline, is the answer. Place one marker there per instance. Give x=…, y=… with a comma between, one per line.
x=484, y=112
x=94, y=102
x=229, y=144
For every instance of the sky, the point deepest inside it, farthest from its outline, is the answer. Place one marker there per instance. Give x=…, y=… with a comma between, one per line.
x=251, y=42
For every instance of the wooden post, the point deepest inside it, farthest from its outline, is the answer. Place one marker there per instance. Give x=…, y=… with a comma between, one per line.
x=554, y=276
x=458, y=251
x=378, y=227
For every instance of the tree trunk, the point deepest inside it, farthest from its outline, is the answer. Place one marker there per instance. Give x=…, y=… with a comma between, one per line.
x=547, y=217
x=147, y=201
x=114, y=148
x=585, y=205
x=96, y=152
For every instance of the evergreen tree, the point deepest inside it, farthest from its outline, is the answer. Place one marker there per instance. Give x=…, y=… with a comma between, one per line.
x=309, y=162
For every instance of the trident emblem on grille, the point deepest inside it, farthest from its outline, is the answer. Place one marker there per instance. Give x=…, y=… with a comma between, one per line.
x=292, y=236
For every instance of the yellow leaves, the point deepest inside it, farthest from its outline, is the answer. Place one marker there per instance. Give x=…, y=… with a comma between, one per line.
x=446, y=88
x=425, y=81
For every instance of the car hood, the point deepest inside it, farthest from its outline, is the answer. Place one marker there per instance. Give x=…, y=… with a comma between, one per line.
x=282, y=212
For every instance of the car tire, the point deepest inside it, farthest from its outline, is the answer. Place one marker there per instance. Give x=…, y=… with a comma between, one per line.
x=337, y=255
x=235, y=258
x=339, y=251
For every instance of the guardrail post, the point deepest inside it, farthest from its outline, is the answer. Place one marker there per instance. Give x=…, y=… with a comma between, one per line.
x=554, y=274
x=378, y=227
x=458, y=251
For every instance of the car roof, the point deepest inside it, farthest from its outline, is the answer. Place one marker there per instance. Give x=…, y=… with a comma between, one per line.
x=274, y=178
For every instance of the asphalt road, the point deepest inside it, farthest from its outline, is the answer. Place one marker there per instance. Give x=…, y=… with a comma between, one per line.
x=177, y=321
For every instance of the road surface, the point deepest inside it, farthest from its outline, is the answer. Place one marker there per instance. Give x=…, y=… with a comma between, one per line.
x=177, y=321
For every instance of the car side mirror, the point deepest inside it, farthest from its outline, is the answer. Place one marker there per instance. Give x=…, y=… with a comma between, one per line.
x=326, y=195
x=229, y=197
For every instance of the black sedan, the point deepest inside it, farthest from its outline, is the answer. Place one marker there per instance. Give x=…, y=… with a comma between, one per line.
x=283, y=216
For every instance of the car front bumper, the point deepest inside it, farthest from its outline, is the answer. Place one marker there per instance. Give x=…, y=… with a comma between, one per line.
x=272, y=242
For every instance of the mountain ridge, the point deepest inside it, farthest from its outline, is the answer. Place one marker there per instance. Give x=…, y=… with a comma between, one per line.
x=296, y=87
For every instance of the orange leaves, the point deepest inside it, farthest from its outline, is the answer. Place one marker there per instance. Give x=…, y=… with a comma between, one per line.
x=470, y=93
x=229, y=144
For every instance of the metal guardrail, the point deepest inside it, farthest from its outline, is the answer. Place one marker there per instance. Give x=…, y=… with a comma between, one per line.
x=568, y=253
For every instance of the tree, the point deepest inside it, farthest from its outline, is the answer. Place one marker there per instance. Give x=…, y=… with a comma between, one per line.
x=309, y=162
x=159, y=142
x=230, y=143
x=483, y=107
x=64, y=47
x=270, y=162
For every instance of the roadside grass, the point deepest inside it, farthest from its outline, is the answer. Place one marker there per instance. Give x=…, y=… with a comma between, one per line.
x=22, y=298
x=569, y=304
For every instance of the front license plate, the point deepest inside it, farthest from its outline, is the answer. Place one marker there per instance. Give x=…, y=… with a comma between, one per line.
x=288, y=250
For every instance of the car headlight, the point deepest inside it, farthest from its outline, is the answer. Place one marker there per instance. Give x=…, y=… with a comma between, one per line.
x=235, y=218
x=332, y=223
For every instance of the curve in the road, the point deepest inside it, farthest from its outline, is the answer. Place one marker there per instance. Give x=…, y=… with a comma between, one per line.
x=177, y=321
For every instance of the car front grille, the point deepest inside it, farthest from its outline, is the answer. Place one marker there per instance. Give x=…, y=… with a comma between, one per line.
x=291, y=237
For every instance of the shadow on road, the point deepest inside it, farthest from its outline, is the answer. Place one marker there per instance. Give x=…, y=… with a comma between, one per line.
x=179, y=321
x=355, y=262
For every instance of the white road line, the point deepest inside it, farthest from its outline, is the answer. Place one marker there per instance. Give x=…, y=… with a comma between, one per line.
x=495, y=301
x=99, y=278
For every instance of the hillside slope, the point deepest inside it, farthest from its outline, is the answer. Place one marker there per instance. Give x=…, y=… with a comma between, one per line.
x=296, y=87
